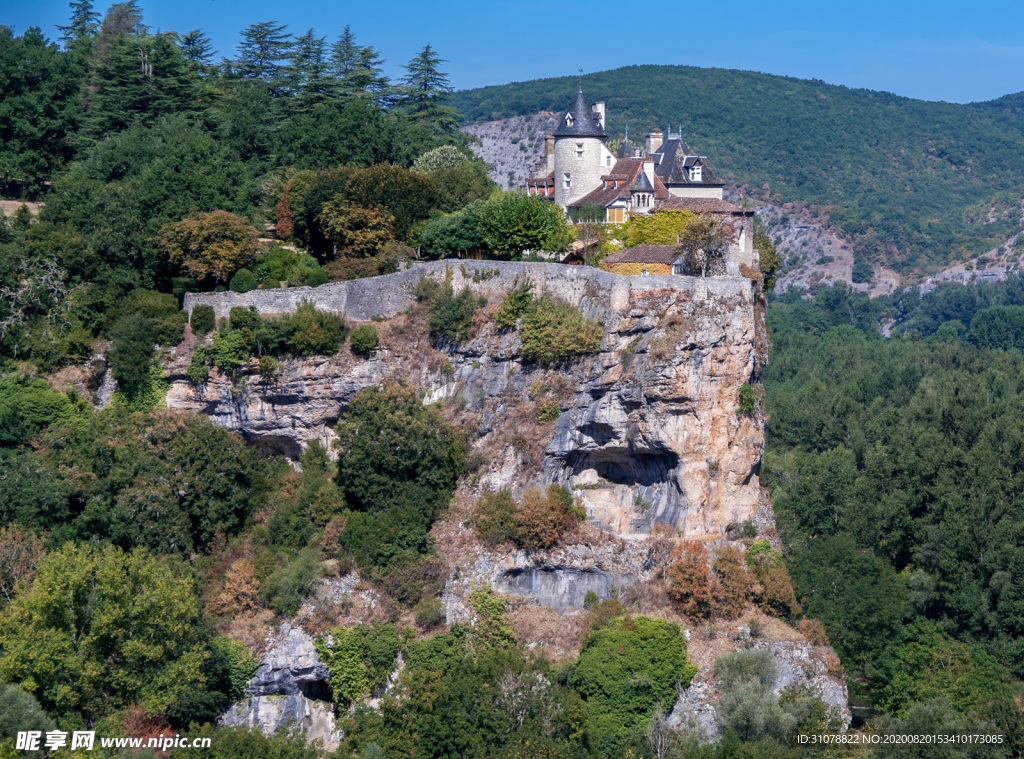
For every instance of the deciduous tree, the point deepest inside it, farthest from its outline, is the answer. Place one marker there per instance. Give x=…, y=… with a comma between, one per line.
x=691, y=585
x=515, y=222
x=356, y=231
x=210, y=245
x=20, y=551
x=102, y=629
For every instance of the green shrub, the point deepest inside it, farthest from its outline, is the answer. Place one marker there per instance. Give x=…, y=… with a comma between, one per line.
x=203, y=319
x=516, y=302
x=145, y=613
x=20, y=711
x=749, y=399
x=936, y=717
x=147, y=396
x=315, y=332
x=133, y=351
x=243, y=281
x=627, y=668
x=399, y=462
x=968, y=676
x=286, y=588
x=231, y=350
x=453, y=315
x=317, y=277
x=364, y=339
x=199, y=368
x=429, y=613
x=494, y=518
x=359, y=659
x=549, y=411
x=28, y=407
x=554, y=331
x=167, y=320
x=428, y=290
x=246, y=319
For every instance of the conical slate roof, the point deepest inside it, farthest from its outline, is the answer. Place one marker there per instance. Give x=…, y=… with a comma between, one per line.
x=580, y=120
x=626, y=151
x=642, y=183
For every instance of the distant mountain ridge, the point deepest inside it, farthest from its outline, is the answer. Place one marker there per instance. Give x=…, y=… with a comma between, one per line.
x=912, y=184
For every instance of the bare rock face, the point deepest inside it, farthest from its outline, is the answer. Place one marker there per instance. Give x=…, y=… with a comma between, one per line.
x=648, y=429
x=290, y=689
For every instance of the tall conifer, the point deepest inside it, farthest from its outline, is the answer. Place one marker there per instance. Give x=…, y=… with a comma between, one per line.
x=309, y=80
x=262, y=55
x=426, y=88
x=84, y=24
x=358, y=71
x=197, y=49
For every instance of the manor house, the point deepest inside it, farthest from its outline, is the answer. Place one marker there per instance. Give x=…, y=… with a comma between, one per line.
x=580, y=172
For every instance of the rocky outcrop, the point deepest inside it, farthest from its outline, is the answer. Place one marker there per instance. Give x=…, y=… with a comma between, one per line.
x=648, y=429
x=290, y=689
x=799, y=664
x=558, y=579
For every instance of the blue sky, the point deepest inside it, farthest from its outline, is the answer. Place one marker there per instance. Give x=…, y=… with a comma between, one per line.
x=953, y=51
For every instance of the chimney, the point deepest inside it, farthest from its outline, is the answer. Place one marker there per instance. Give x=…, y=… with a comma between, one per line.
x=649, y=169
x=549, y=152
x=654, y=142
x=598, y=108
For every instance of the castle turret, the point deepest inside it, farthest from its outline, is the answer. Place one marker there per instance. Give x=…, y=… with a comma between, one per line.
x=580, y=153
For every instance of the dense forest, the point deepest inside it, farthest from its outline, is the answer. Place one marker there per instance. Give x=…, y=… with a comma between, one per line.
x=912, y=184
x=145, y=553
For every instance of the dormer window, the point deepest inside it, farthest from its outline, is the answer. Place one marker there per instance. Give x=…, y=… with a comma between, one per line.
x=568, y=119
x=695, y=173
x=579, y=149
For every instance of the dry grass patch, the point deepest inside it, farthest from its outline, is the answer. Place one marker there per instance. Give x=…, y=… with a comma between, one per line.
x=251, y=631
x=544, y=630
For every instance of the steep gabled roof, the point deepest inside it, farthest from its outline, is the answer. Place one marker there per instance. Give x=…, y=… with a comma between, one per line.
x=672, y=163
x=585, y=123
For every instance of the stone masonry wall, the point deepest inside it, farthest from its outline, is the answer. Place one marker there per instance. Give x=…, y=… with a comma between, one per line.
x=391, y=294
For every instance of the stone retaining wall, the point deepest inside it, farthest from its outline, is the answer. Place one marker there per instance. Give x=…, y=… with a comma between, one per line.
x=391, y=294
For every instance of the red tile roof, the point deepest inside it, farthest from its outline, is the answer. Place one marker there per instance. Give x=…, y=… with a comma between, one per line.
x=702, y=205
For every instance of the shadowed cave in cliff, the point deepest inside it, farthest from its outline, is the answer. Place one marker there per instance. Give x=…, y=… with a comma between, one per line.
x=625, y=467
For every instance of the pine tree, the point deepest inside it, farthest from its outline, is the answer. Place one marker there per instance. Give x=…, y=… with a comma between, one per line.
x=309, y=80
x=261, y=55
x=196, y=48
x=121, y=20
x=425, y=90
x=84, y=24
x=140, y=79
x=358, y=71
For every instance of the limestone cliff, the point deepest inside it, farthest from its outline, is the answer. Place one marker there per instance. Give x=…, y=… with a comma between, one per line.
x=647, y=430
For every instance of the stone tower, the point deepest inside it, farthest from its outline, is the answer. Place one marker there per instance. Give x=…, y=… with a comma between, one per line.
x=580, y=153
